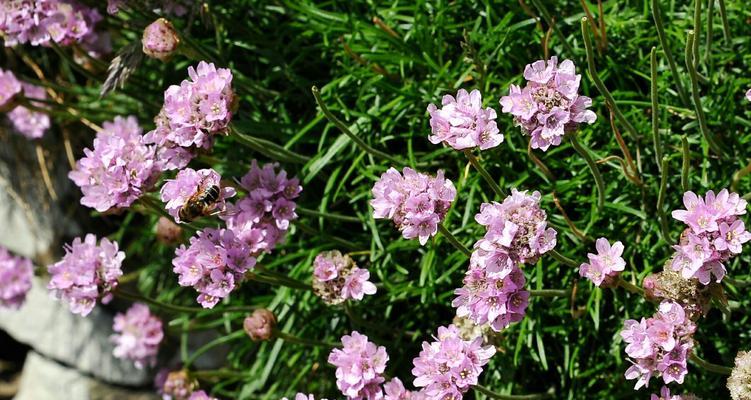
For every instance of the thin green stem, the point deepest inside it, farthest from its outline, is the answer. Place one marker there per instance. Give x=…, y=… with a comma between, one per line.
x=545, y=14
x=334, y=216
x=456, y=243
x=710, y=367
x=489, y=179
x=493, y=395
x=268, y=148
x=261, y=274
x=592, y=167
x=314, y=232
x=696, y=97
x=214, y=343
x=738, y=175
x=630, y=287
x=563, y=259
x=710, y=33
x=550, y=293
x=655, y=110
x=150, y=203
x=668, y=54
x=661, y=201
x=697, y=33
x=287, y=337
x=156, y=303
x=220, y=373
x=725, y=25
x=686, y=164
x=345, y=130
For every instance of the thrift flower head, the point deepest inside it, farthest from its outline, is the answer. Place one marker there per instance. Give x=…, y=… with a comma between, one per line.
x=88, y=272
x=659, y=346
x=9, y=85
x=260, y=324
x=738, y=383
x=262, y=218
x=416, y=202
x=15, y=279
x=193, y=194
x=394, y=390
x=30, y=123
x=671, y=285
x=160, y=40
x=462, y=123
x=177, y=386
x=137, y=336
x=119, y=169
x=337, y=278
x=201, y=395
x=748, y=95
x=665, y=395
x=449, y=366
x=213, y=263
x=604, y=267
x=549, y=105
x=39, y=22
x=302, y=396
x=714, y=235
x=359, y=367
x=168, y=232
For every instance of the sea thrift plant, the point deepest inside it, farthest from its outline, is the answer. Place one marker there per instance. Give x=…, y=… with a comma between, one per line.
x=119, y=168
x=462, y=123
x=137, y=336
x=605, y=266
x=414, y=201
x=337, y=278
x=665, y=395
x=738, y=382
x=449, y=366
x=39, y=22
x=359, y=367
x=659, y=346
x=15, y=279
x=394, y=390
x=177, y=385
x=214, y=263
x=670, y=285
x=160, y=40
x=9, y=87
x=88, y=272
x=303, y=396
x=189, y=195
x=549, y=105
x=201, y=395
x=714, y=234
x=30, y=123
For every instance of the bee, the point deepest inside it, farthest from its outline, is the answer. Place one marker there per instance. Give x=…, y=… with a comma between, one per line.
x=201, y=203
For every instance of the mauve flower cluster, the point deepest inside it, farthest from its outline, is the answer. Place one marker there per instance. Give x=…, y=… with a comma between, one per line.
x=15, y=279
x=659, y=346
x=517, y=227
x=174, y=385
x=449, y=366
x=395, y=390
x=714, y=235
x=337, y=278
x=603, y=268
x=213, y=263
x=192, y=113
x=748, y=95
x=665, y=395
x=740, y=376
x=119, y=169
x=201, y=395
x=30, y=123
x=137, y=336
x=667, y=284
x=262, y=218
x=549, y=105
x=303, y=396
x=86, y=273
x=190, y=183
x=359, y=367
x=40, y=21
x=462, y=123
x=10, y=86
x=416, y=202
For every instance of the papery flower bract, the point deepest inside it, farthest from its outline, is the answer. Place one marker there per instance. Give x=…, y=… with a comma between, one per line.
x=190, y=184
x=137, y=336
x=30, y=123
x=15, y=279
x=604, y=266
x=359, y=367
x=88, y=272
x=214, y=263
x=740, y=376
x=119, y=169
x=9, y=85
x=549, y=106
x=160, y=40
x=415, y=202
x=337, y=278
x=462, y=123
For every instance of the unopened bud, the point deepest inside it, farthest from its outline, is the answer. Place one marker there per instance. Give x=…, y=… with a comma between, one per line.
x=168, y=232
x=160, y=40
x=260, y=325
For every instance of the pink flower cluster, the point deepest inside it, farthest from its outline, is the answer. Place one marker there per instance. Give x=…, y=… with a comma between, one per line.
x=41, y=21
x=192, y=114
x=517, y=227
x=10, y=86
x=30, y=123
x=15, y=279
x=416, y=202
x=665, y=395
x=201, y=395
x=86, y=273
x=214, y=264
x=714, y=235
x=748, y=95
x=604, y=267
x=549, y=105
x=359, y=367
x=303, y=396
x=462, y=123
x=659, y=346
x=449, y=366
x=137, y=336
x=394, y=390
x=119, y=169
x=262, y=218
x=336, y=278
x=189, y=186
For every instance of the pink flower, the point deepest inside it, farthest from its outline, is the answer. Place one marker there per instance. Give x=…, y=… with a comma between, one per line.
x=356, y=285
x=201, y=395
x=462, y=123
x=665, y=395
x=606, y=264
x=302, y=396
x=38, y=22
x=193, y=194
x=732, y=237
x=86, y=273
x=15, y=279
x=359, y=367
x=748, y=95
x=30, y=123
x=337, y=278
x=549, y=106
x=394, y=390
x=9, y=85
x=415, y=202
x=137, y=335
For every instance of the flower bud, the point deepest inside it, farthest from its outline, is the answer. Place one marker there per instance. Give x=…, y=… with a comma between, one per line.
x=260, y=325
x=168, y=232
x=739, y=383
x=160, y=40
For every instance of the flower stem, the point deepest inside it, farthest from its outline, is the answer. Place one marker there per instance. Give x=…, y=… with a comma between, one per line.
x=710, y=367
x=304, y=341
x=268, y=148
x=655, y=110
x=593, y=167
x=334, y=216
x=489, y=179
x=219, y=373
x=668, y=54
x=725, y=25
x=685, y=183
x=456, y=243
x=661, y=201
x=345, y=130
x=214, y=343
x=550, y=292
x=563, y=259
x=630, y=287
x=156, y=303
x=493, y=395
x=544, y=11
x=696, y=97
x=275, y=278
